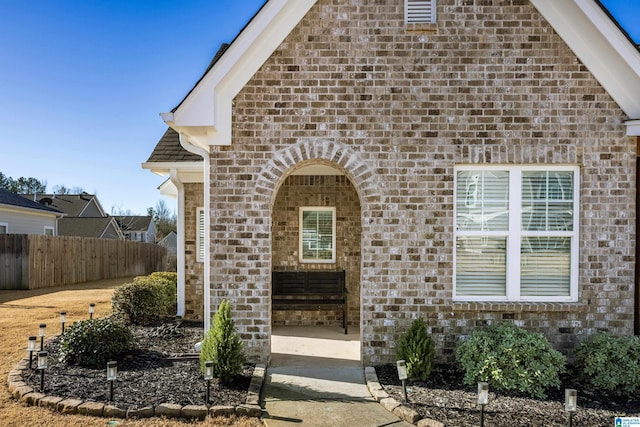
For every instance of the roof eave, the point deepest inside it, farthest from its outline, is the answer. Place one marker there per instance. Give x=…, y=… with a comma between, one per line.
x=601, y=46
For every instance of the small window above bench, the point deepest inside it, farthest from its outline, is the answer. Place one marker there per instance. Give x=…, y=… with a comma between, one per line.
x=317, y=235
x=420, y=15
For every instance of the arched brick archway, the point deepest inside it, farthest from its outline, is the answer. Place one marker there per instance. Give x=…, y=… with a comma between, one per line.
x=362, y=177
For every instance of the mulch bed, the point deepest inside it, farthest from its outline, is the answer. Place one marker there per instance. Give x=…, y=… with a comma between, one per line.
x=148, y=376
x=444, y=397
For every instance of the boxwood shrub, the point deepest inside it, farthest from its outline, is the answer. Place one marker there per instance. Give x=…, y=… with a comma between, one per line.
x=92, y=343
x=610, y=363
x=510, y=358
x=146, y=300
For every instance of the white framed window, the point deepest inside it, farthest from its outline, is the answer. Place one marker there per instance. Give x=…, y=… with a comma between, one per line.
x=49, y=231
x=200, y=241
x=419, y=12
x=516, y=233
x=317, y=235
x=4, y=228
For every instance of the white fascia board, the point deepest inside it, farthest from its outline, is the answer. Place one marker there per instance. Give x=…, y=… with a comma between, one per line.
x=601, y=47
x=633, y=127
x=31, y=211
x=164, y=168
x=205, y=116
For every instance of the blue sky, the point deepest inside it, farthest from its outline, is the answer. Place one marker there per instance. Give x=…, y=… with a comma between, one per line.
x=82, y=84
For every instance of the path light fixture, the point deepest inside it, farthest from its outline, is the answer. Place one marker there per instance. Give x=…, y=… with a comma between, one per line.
x=208, y=376
x=32, y=346
x=401, y=365
x=92, y=309
x=42, y=330
x=63, y=320
x=570, y=403
x=483, y=399
x=42, y=365
x=112, y=373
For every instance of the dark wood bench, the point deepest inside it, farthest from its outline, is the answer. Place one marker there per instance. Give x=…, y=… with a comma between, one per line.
x=310, y=290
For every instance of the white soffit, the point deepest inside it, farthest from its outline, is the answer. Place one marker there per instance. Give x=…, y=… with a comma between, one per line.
x=205, y=115
x=600, y=45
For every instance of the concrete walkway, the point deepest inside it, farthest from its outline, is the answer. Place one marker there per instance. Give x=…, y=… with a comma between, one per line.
x=315, y=379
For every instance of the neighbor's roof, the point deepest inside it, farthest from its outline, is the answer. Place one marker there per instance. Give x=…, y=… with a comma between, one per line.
x=169, y=149
x=71, y=204
x=133, y=223
x=12, y=199
x=87, y=226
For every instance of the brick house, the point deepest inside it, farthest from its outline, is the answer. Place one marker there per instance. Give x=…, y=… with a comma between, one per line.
x=470, y=164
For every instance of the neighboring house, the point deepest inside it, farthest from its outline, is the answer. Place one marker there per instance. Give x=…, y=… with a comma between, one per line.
x=468, y=166
x=74, y=205
x=21, y=216
x=137, y=228
x=170, y=241
x=96, y=227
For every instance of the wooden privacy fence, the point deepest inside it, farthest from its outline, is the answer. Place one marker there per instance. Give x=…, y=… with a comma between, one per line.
x=34, y=262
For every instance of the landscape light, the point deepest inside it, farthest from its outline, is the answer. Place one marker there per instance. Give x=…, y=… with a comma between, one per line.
x=570, y=403
x=208, y=376
x=32, y=346
x=41, y=332
x=112, y=373
x=401, y=365
x=483, y=399
x=42, y=365
x=63, y=319
x=92, y=309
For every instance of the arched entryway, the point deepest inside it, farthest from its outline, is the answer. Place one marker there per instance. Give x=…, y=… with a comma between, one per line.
x=320, y=174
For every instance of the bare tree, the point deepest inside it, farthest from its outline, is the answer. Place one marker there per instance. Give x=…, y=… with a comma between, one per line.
x=164, y=219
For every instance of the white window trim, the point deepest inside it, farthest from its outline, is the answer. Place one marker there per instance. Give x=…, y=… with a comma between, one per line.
x=333, y=237
x=409, y=11
x=6, y=227
x=200, y=233
x=53, y=230
x=514, y=234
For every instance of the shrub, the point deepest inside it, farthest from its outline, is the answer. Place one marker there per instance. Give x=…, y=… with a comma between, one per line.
x=223, y=346
x=510, y=358
x=92, y=343
x=146, y=299
x=417, y=348
x=610, y=363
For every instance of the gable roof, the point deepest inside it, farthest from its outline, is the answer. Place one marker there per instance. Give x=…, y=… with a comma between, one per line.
x=134, y=223
x=97, y=227
x=168, y=149
x=11, y=199
x=204, y=116
x=72, y=204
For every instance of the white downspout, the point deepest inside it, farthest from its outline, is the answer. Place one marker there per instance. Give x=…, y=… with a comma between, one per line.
x=180, y=258
x=184, y=141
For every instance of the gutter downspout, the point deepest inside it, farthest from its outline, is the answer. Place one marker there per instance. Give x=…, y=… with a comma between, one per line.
x=206, y=282
x=175, y=180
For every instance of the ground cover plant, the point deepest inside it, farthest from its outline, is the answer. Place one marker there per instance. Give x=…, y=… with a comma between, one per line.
x=20, y=314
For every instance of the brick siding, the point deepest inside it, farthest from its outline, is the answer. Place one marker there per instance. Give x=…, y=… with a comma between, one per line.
x=395, y=111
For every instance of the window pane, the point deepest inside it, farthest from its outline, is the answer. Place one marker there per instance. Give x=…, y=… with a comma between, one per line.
x=545, y=266
x=547, y=201
x=482, y=200
x=481, y=266
x=317, y=235
x=3, y=229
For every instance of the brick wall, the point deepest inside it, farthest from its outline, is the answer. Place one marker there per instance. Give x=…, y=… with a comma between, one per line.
x=326, y=191
x=194, y=270
x=395, y=111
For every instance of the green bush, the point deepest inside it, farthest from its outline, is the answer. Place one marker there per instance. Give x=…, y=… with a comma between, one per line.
x=418, y=350
x=510, y=358
x=610, y=363
x=223, y=346
x=146, y=300
x=92, y=343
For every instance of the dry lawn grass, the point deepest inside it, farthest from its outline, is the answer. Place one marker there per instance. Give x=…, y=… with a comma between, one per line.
x=20, y=314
